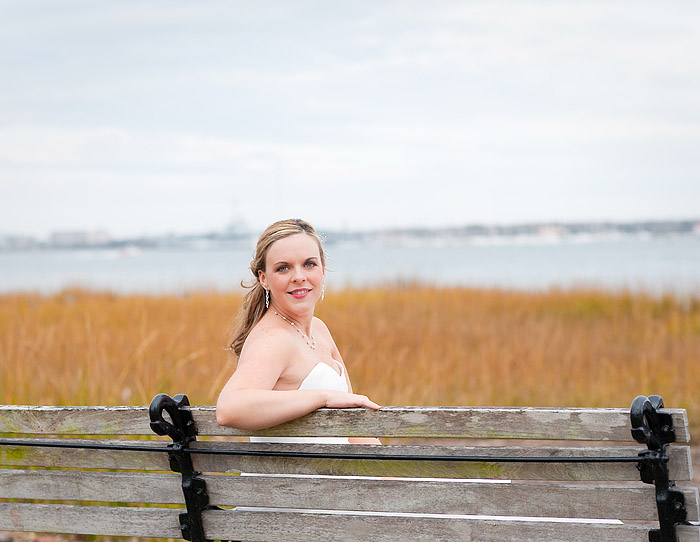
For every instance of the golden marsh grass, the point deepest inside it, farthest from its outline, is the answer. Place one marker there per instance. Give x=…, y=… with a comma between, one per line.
x=403, y=345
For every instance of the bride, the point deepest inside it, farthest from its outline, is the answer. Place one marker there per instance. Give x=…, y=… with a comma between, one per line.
x=288, y=363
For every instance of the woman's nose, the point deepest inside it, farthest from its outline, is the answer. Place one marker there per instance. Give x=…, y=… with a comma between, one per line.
x=299, y=274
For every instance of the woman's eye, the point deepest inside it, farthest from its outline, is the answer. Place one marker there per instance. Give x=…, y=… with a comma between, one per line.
x=282, y=268
x=310, y=264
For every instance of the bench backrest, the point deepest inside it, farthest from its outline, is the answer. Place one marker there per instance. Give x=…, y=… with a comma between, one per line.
x=415, y=488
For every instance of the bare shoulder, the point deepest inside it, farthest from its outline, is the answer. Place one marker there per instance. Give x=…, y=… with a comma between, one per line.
x=320, y=326
x=322, y=331
x=267, y=346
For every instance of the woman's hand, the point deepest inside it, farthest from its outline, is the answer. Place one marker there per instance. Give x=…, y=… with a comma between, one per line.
x=341, y=399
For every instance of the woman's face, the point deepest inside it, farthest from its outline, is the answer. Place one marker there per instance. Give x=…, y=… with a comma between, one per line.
x=294, y=273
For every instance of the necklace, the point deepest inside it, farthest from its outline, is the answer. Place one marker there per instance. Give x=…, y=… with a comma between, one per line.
x=312, y=343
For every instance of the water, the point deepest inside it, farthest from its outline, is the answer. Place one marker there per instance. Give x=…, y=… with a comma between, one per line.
x=657, y=265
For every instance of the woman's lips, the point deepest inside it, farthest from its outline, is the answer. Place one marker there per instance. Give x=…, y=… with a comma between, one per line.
x=300, y=293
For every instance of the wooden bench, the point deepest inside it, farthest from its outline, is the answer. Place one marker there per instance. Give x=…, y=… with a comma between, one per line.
x=102, y=471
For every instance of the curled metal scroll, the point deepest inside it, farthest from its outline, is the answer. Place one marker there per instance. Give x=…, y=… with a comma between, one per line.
x=182, y=428
x=649, y=426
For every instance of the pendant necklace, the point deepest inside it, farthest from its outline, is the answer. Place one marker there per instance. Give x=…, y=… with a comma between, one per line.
x=311, y=343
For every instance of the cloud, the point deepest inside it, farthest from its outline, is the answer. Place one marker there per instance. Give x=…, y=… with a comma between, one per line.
x=399, y=112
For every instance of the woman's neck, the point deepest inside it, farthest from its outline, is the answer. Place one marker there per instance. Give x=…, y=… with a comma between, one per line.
x=301, y=321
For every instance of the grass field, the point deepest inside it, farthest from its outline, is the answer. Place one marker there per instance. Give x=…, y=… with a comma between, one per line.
x=403, y=345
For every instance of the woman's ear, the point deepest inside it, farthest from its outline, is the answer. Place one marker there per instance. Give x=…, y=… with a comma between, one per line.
x=261, y=278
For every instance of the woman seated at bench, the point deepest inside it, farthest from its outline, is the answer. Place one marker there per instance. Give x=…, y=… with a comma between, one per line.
x=288, y=363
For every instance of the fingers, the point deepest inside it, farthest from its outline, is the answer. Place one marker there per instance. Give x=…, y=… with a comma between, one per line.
x=363, y=401
x=350, y=400
x=368, y=403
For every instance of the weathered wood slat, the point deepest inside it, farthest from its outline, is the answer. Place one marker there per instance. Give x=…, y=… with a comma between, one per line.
x=688, y=533
x=411, y=422
x=122, y=487
x=269, y=526
x=75, y=420
x=31, y=456
x=273, y=526
x=448, y=497
x=96, y=520
x=679, y=463
x=459, y=422
x=367, y=494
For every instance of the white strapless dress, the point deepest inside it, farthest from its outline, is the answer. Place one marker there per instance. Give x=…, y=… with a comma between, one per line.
x=321, y=377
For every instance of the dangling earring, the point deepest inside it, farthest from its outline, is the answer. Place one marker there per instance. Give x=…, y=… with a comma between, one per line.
x=323, y=291
x=267, y=298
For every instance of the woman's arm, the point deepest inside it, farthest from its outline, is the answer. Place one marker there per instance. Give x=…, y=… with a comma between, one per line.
x=248, y=400
x=260, y=408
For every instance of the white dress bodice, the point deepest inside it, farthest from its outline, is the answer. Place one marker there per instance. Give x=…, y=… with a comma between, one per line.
x=324, y=377
x=321, y=377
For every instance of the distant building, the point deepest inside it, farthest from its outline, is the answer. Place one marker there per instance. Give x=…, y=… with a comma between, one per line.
x=17, y=242
x=551, y=230
x=78, y=239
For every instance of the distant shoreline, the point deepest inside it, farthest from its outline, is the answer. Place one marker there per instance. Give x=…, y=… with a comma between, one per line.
x=471, y=233
x=652, y=264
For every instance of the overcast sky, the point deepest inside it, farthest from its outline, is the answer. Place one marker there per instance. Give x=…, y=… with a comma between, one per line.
x=145, y=117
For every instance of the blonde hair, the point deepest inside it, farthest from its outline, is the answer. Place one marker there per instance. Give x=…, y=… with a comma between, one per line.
x=253, y=308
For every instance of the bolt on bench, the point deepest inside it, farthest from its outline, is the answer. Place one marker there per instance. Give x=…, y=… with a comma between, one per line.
x=102, y=471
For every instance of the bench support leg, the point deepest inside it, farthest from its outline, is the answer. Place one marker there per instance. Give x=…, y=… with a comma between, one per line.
x=182, y=431
x=655, y=429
